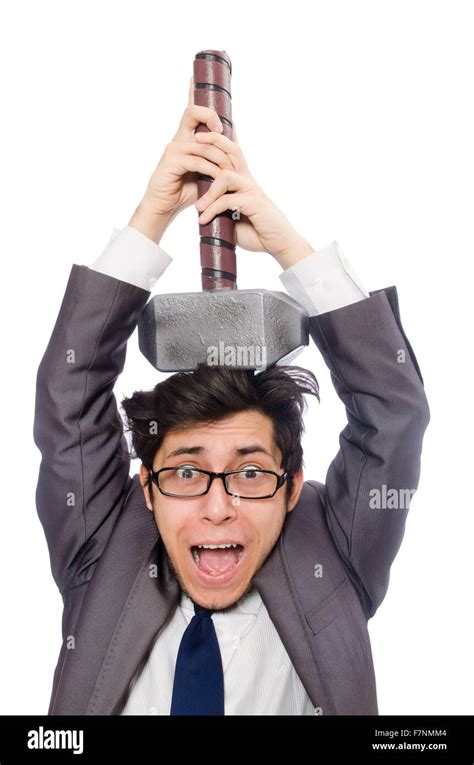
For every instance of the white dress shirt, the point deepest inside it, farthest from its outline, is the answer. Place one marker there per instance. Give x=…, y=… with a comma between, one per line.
x=322, y=281
x=259, y=678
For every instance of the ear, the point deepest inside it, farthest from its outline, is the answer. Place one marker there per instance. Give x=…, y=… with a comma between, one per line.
x=144, y=478
x=298, y=481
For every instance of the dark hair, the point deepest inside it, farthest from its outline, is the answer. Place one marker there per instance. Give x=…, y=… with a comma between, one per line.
x=211, y=393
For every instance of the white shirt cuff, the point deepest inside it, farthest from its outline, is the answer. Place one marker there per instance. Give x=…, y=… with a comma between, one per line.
x=323, y=281
x=132, y=257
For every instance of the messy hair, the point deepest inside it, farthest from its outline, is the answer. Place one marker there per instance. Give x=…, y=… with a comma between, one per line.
x=212, y=393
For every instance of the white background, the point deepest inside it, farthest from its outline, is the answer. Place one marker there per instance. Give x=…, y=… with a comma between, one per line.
x=356, y=119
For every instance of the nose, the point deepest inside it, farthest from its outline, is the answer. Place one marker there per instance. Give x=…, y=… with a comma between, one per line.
x=218, y=506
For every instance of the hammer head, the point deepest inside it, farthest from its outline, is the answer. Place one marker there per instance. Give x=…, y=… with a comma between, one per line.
x=244, y=329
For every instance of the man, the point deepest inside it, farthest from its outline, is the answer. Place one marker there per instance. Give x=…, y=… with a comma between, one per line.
x=218, y=580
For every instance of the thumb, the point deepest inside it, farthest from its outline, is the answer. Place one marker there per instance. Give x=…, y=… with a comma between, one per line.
x=191, y=91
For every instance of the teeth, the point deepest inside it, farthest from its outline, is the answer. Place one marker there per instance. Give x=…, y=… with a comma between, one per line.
x=215, y=547
x=196, y=548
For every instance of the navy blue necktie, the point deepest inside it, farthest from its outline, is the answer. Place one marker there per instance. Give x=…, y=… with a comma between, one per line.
x=198, y=687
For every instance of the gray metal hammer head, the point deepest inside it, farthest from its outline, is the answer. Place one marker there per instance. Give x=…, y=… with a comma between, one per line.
x=244, y=329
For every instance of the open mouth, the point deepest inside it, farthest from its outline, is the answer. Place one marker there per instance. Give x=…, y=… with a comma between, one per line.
x=217, y=561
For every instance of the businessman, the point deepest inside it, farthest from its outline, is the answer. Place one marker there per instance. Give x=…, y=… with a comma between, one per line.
x=218, y=580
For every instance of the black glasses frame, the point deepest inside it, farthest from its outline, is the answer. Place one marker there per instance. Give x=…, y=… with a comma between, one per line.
x=154, y=476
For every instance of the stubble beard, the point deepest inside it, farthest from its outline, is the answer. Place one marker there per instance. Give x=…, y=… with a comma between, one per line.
x=249, y=588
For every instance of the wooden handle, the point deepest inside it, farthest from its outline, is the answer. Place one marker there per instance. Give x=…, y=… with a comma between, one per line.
x=212, y=74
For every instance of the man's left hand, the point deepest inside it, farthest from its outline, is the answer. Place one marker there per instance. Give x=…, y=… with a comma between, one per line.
x=260, y=224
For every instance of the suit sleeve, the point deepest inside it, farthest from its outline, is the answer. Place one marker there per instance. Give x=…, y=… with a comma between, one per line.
x=376, y=375
x=84, y=470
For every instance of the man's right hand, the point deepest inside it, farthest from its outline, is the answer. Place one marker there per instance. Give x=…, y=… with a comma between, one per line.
x=173, y=185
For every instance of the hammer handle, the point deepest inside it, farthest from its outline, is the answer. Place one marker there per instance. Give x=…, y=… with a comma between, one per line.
x=212, y=74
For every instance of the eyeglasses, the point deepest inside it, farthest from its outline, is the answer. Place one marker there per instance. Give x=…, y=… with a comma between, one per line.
x=251, y=483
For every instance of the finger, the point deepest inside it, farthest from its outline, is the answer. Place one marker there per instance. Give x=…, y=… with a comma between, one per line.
x=195, y=115
x=191, y=91
x=227, y=181
x=223, y=159
x=227, y=145
x=195, y=164
x=234, y=133
x=225, y=202
x=209, y=152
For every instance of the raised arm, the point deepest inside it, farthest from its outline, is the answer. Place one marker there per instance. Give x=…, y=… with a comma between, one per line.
x=376, y=470
x=84, y=476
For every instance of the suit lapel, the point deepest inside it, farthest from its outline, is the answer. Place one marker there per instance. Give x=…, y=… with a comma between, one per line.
x=150, y=602
x=273, y=582
x=128, y=599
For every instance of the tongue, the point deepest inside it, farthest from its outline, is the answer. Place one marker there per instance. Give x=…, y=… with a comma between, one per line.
x=218, y=561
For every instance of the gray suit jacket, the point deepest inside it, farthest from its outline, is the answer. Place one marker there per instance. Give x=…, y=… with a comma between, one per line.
x=102, y=540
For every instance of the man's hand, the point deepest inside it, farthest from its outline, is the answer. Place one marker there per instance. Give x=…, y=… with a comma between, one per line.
x=260, y=225
x=173, y=185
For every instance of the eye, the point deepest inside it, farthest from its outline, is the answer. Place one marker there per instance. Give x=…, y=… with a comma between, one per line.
x=250, y=472
x=186, y=473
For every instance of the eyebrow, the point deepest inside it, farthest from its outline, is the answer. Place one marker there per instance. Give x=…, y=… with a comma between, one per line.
x=239, y=451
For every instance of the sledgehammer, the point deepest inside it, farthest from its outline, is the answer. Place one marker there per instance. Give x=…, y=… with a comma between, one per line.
x=244, y=329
